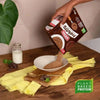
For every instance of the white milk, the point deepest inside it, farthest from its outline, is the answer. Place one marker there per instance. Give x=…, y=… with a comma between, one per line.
x=17, y=56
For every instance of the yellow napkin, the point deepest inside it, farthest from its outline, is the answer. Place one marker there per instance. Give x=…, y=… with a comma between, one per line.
x=32, y=88
x=64, y=78
x=15, y=80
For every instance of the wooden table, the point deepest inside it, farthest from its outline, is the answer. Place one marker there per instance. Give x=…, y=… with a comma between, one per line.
x=65, y=92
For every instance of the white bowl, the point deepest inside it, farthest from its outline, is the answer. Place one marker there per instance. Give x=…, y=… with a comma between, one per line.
x=42, y=61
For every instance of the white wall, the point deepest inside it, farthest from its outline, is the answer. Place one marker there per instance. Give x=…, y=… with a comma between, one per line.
x=34, y=15
x=90, y=14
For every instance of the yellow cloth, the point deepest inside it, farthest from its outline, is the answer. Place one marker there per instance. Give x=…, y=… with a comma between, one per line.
x=64, y=78
x=15, y=80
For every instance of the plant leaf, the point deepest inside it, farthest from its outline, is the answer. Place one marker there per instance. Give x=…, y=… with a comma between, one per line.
x=1, y=9
x=11, y=10
x=8, y=19
x=5, y=33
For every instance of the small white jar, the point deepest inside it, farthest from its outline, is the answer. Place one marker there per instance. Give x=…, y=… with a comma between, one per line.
x=17, y=54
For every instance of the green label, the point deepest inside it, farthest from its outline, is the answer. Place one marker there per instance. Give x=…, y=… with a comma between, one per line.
x=83, y=30
x=84, y=86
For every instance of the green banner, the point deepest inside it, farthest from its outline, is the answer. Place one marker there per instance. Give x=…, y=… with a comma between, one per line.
x=84, y=86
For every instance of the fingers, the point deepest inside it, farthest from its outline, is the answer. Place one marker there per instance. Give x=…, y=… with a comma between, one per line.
x=64, y=19
x=66, y=16
x=55, y=15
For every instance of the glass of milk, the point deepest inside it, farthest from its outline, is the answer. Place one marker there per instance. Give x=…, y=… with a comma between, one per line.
x=17, y=54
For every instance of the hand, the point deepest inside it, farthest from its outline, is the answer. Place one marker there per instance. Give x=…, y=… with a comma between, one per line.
x=64, y=11
x=67, y=8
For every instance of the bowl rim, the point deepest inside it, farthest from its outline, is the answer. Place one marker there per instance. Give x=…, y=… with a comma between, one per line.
x=53, y=69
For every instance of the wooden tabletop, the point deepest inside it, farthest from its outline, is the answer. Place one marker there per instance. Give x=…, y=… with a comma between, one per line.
x=65, y=92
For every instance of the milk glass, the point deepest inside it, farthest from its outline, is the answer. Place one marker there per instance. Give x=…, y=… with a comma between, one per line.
x=17, y=54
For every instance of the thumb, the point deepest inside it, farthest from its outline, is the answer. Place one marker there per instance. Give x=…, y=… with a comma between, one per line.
x=54, y=16
x=64, y=19
x=66, y=16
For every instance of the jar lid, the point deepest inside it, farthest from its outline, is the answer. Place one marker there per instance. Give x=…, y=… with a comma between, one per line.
x=17, y=44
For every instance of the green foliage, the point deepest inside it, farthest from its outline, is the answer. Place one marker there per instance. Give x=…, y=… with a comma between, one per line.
x=47, y=79
x=6, y=61
x=8, y=19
